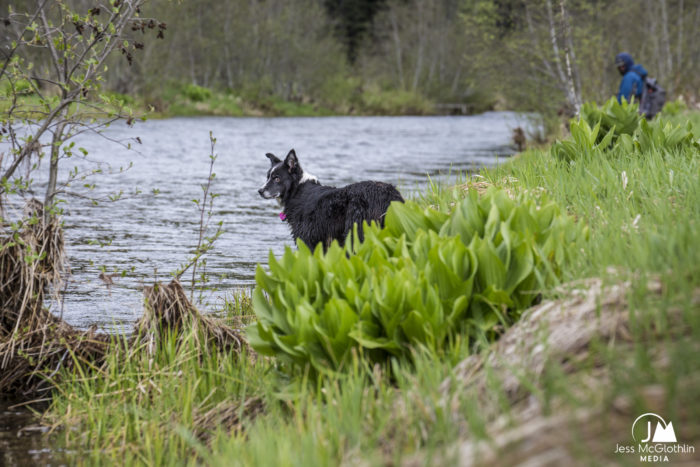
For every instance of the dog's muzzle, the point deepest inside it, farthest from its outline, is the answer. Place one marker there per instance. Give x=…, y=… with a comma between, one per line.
x=266, y=194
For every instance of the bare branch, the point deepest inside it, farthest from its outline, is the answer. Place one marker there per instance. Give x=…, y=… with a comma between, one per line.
x=28, y=148
x=47, y=32
x=18, y=41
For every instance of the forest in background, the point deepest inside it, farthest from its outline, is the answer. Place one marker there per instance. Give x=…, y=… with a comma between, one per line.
x=397, y=56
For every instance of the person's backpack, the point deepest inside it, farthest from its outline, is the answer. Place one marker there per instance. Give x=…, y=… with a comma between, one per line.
x=653, y=98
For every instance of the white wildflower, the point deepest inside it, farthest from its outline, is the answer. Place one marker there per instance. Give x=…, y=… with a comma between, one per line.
x=635, y=222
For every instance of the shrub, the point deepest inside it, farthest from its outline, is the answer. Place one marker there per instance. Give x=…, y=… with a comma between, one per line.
x=414, y=284
x=584, y=141
x=587, y=141
x=673, y=108
x=122, y=99
x=21, y=87
x=393, y=101
x=196, y=93
x=620, y=118
x=660, y=135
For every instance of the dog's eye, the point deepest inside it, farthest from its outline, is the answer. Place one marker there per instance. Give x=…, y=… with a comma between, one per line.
x=276, y=179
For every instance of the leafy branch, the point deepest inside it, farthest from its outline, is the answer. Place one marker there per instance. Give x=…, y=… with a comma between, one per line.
x=205, y=241
x=65, y=93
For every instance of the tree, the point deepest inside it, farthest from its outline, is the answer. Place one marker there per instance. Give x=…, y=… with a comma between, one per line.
x=549, y=55
x=54, y=60
x=255, y=49
x=418, y=48
x=353, y=21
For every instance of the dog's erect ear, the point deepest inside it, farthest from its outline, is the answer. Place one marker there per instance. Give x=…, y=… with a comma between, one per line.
x=291, y=161
x=274, y=160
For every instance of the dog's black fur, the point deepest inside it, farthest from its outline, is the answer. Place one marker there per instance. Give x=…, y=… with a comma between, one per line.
x=321, y=214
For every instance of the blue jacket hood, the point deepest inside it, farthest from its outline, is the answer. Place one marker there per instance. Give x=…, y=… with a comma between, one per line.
x=625, y=59
x=640, y=70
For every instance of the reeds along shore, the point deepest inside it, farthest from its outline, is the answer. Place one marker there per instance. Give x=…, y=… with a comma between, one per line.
x=36, y=345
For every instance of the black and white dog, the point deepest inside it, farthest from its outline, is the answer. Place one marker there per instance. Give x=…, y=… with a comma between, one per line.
x=321, y=214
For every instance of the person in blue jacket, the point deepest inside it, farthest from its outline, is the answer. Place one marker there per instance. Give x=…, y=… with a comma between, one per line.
x=640, y=70
x=631, y=84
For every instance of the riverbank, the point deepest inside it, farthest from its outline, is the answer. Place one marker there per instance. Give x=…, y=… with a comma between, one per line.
x=188, y=100
x=641, y=204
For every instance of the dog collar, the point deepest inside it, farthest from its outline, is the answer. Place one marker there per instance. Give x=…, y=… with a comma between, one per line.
x=283, y=216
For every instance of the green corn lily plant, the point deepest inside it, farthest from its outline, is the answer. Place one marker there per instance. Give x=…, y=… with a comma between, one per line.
x=414, y=284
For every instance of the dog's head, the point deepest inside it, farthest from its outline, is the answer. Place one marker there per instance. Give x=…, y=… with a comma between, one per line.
x=283, y=176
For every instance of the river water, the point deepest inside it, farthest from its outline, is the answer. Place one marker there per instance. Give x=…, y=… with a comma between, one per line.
x=151, y=234
x=23, y=442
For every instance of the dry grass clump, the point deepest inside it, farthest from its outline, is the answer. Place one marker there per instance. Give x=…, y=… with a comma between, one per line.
x=228, y=416
x=168, y=308
x=35, y=345
x=31, y=260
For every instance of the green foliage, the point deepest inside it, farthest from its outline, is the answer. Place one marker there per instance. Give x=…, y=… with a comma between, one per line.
x=660, y=135
x=375, y=100
x=21, y=87
x=585, y=141
x=178, y=378
x=122, y=99
x=418, y=282
x=621, y=118
x=196, y=93
x=352, y=21
x=674, y=108
x=589, y=142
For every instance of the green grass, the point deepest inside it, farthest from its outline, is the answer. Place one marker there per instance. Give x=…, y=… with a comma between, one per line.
x=145, y=406
x=173, y=99
x=661, y=192
x=143, y=409
x=375, y=100
x=188, y=100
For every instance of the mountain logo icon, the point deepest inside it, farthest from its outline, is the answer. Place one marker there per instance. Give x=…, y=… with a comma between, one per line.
x=663, y=432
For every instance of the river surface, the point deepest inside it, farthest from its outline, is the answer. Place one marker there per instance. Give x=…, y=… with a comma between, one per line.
x=151, y=234
x=23, y=442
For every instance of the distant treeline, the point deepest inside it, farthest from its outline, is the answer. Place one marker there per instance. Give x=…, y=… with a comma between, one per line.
x=545, y=55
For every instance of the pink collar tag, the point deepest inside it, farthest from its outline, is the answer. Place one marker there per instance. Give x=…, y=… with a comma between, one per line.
x=283, y=216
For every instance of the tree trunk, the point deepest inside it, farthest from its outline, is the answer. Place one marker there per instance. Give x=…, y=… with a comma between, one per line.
x=533, y=38
x=679, y=51
x=666, y=46
x=56, y=141
x=455, y=80
x=397, y=47
x=574, y=90
x=654, y=36
x=421, y=45
x=566, y=81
